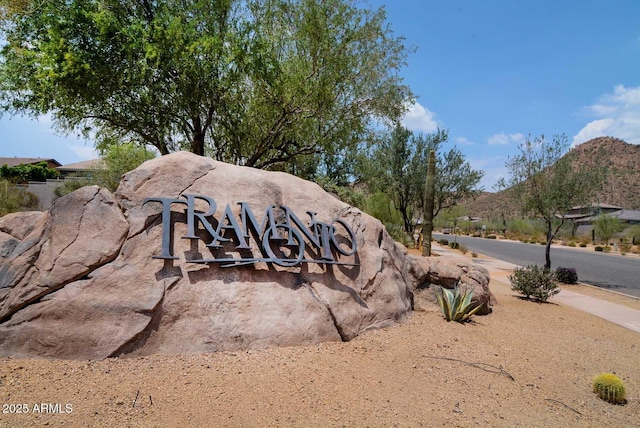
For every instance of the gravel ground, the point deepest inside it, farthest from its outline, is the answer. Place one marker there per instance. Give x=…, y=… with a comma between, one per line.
x=526, y=364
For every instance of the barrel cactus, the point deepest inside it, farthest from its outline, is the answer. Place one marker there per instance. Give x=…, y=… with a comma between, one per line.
x=610, y=388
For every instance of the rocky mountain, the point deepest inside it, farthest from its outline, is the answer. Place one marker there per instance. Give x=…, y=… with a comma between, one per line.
x=621, y=185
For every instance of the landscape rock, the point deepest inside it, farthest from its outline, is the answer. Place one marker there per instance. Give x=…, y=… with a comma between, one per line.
x=427, y=272
x=192, y=255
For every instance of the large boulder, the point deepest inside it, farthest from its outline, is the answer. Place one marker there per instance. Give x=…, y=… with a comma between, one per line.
x=428, y=273
x=192, y=255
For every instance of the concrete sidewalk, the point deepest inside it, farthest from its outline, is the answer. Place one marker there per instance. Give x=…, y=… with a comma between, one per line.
x=500, y=270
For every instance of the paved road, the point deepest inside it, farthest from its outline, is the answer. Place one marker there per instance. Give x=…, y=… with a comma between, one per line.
x=613, y=272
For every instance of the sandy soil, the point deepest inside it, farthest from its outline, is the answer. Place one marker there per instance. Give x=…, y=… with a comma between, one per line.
x=526, y=364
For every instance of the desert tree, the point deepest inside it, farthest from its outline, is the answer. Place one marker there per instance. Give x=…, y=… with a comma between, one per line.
x=265, y=83
x=544, y=183
x=606, y=226
x=397, y=165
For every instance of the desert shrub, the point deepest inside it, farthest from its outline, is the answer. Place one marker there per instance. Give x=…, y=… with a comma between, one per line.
x=491, y=237
x=583, y=245
x=463, y=249
x=398, y=234
x=567, y=275
x=624, y=248
x=598, y=248
x=454, y=245
x=443, y=241
x=610, y=387
x=456, y=305
x=474, y=254
x=14, y=199
x=533, y=281
x=571, y=244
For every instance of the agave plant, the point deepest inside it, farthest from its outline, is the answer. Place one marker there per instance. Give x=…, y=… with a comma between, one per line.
x=455, y=305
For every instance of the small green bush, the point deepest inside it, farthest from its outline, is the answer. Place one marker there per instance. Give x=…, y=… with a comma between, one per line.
x=456, y=306
x=533, y=281
x=491, y=237
x=463, y=249
x=599, y=249
x=610, y=387
x=583, y=245
x=443, y=241
x=571, y=244
x=454, y=245
x=474, y=254
x=567, y=275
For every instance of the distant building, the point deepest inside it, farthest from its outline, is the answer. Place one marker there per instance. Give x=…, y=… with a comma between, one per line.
x=45, y=191
x=81, y=169
x=583, y=217
x=11, y=162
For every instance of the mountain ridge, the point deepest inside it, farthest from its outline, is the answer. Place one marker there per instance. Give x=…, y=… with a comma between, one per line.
x=621, y=184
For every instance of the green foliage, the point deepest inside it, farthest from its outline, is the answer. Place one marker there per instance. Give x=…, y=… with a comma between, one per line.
x=13, y=199
x=72, y=184
x=443, y=241
x=599, y=249
x=583, y=245
x=25, y=173
x=454, y=245
x=398, y=234
x=463, y=249
x=266, y=83
x=633, y=233
x=120, y=159
x=606, y=226
x=545, y=185
x=397, y=164
x=567, y=275
x=381, y=207
x=456, y=305
x=610, y=388
x=533, y=281
x=491, y=237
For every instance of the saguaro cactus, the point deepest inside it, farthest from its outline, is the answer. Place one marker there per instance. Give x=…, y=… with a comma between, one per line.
x=429, y=196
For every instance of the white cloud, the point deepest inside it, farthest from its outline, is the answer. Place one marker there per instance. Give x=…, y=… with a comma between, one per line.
x=616, y=114
x=463, y=141
x=504, y=139
x=419, y=118
x=85, y=152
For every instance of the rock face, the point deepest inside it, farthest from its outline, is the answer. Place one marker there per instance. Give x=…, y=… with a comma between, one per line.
x=192, y=255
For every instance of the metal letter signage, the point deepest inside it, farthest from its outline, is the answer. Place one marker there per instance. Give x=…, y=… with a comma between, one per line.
x=280, y=235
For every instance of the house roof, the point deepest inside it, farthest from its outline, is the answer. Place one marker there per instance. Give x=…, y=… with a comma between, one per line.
x=27, y=161
x=598, y=205
x=83, y=166
x=624, y=215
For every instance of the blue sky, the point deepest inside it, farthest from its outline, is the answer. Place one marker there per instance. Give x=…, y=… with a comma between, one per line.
x=489, y=71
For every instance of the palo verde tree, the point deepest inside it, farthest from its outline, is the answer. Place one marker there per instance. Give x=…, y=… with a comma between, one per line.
x=264, y=83
x=397, y=165
x=545, y=184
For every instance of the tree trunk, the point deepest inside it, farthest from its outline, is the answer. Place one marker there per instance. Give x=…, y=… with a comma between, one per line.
x=547, y=253
x=197, y=145
x=429, y=197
